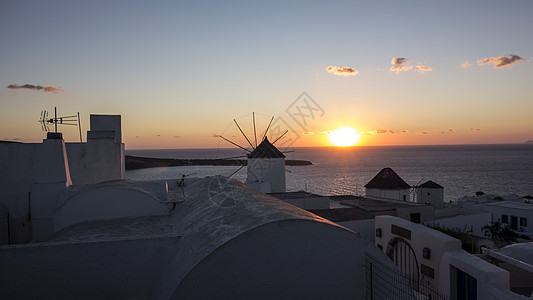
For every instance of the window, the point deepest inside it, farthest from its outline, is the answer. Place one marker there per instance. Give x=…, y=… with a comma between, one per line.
x=514, y=222
x=505, y=219
x=523, y=222
x=415, y=218
x=463, y=285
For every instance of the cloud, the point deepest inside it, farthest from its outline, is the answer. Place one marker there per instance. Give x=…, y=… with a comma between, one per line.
x=215, y=135
x=308, y=133
x=158, y=135
x=502, y=61
x=423, y=68
x=466, y=64
x=137, y=137
x=399, y=60
x=27, y=86
x=177, y=137
x=475, y=129
x=379, y=131
x=399, y=64
x=342, y=71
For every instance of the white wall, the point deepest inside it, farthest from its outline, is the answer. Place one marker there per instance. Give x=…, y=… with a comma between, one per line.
x=104, y=203
x=112, y=269
x=267, y=170
x=23, y=165
x=434, y=197
x=98, y=160
x=427, y=212
x=389, y=194
x=107, y=123
x=452, y=218
x=486, y=274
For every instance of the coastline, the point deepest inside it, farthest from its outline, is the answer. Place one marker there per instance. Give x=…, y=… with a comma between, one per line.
x=136, y=162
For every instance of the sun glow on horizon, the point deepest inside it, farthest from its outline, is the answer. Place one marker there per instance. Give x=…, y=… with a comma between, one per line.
x=344, y=137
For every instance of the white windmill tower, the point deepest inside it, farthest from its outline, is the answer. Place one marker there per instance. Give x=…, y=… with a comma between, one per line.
x=265, y=163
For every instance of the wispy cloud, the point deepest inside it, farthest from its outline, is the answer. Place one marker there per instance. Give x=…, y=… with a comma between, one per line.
x=215, y=135
x=379, y=131
x=466, y=64
x=308, y=133
x=342, y=71
x=399, y=64
x=502, y=61
x=27, y=86
x=423, y=69
x=177, y=137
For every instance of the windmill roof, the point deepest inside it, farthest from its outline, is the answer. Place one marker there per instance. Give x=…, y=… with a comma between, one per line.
x=266, y=150
x=387, y=179
x=431, y=185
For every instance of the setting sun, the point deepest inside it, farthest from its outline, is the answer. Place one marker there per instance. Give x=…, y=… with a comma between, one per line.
x=344, y=136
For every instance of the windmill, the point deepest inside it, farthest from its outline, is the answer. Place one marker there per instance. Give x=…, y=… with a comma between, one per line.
x=265, y=163
x=413, y=191
x=46, y=122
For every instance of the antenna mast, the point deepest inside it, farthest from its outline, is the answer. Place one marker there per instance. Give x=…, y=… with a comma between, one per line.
x=66, y=120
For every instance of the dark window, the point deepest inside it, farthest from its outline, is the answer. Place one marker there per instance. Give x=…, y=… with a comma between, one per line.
x=514, y=222
x=404, y=198
x=523, y=222
x=466, y=286
x=505, y=219
x=429, y=194
x=415, y=218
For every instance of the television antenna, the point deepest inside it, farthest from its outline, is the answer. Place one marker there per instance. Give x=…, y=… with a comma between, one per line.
x=46, y=121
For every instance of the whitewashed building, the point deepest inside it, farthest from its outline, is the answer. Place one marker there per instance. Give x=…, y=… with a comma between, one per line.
x=430, y=193
x=431, y=258
x=388, y=185
x=266, y=168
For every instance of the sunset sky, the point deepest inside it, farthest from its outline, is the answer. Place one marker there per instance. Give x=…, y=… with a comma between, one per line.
x=400, y=73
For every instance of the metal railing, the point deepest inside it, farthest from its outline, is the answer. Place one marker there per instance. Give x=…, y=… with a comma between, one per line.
x=386, y=282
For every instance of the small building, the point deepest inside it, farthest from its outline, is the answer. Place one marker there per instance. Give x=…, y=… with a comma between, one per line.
x=388, y=185
x=517, y=215
x=266, y=168
x=31, y=170
x=431, y=193
x=435, y=263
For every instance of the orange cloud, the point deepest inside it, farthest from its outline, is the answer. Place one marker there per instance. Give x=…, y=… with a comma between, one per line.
x=342, y=71
x=423, y=68
x=27, y=86
x=502, y=61
x=466, y=64
x=398, y=64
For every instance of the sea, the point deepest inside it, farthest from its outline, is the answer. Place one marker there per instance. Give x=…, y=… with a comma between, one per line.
x=462, y=170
